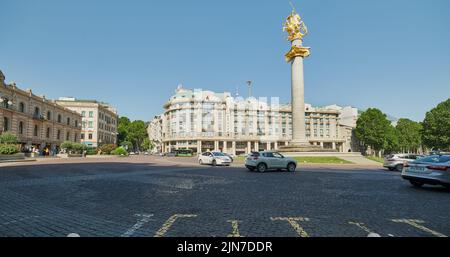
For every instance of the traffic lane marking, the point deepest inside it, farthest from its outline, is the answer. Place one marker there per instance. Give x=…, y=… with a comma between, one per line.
x=144, y=219
x=417, y=224
x=293, y=221
x=170, y=221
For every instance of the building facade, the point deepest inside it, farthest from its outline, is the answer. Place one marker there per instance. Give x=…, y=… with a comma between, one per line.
x=154, y=131
x=99, y=120
x=205, y=120
x=36, y=121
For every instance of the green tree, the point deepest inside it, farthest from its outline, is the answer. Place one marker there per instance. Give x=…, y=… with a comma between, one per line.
x=137, y=132
x=122, y=128
x=146, y=144
x=375, y=130
x=409, y=135
x=436, y=127
x=127, y=145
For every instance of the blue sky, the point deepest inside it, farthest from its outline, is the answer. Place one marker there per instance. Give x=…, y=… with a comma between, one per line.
x=389, y=54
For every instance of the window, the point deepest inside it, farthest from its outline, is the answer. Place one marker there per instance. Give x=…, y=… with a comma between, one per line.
x=76, y=137
x=76, y=123
x=36, y=130
x=22, y=107
x=48, y=133
x=36, y=112
x=83, y=113
x=90, y=135
x=20, y=127
x=68, y=136
x=49, y=115
x=82, y=136
x=68, y=121
x=91, y=124
x=58, y=135
x=83, y=124
x=91, y=114
x=5, y=124
x=59, y=118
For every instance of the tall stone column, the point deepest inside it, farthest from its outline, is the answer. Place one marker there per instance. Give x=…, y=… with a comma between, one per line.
x=298, y=98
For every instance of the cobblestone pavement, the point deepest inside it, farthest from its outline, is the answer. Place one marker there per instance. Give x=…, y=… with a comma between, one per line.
x=154, y=196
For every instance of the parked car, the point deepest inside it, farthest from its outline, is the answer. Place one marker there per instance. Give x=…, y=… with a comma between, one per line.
x=433, y=170
x=263, y=161
x=214, y=158
x=396, y=161
x=171, y=154
x=231, y=156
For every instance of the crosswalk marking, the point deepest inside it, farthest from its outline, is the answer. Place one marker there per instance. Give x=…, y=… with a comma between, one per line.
x=235, y=228
x=145, y=218
x=361, y=226
x=293, y=221
x=169, y=222
x=415, y=223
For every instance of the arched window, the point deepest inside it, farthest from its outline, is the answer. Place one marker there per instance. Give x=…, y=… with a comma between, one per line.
x=49, y=115
x=22, y=107
x=68, y=121
x=36, y=130
x=59, y=118
x=5, y=124
x=20, y=127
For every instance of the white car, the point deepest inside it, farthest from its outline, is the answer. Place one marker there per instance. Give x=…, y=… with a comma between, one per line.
x=214, y=158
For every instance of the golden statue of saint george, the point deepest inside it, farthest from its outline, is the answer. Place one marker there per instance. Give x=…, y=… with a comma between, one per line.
x=295, y=27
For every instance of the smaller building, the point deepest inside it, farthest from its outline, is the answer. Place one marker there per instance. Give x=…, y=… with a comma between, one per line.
x=37, y=122
x=99, y=120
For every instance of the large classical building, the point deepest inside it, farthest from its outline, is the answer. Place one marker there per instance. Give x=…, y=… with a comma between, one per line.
x=36, y=121
x=205, y=120
x=99, y=120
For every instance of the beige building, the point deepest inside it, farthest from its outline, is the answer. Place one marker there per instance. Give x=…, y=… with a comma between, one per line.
x=205, y=120
x=35, y=120
x=154, y=131
x=99, y=120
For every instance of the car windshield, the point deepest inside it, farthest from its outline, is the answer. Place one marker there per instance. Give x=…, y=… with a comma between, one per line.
x=435, y=158
x=218, y=154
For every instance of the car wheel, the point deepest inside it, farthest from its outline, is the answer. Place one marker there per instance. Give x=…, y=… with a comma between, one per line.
x=291, y=167
x=214, y=163
x=391, y=169
x=399, y=167
x=416, y=183
x=251, y=169
x=261, y=167
x=200, y=162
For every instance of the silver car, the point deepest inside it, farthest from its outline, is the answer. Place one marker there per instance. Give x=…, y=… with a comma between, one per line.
x=263, y=161
x=396, y=161
x=433, y=170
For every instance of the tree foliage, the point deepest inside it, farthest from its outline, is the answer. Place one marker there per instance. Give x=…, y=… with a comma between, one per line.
x=409, y=135
x=8, y=138
x=375, y=130
x=132, y=131
x=436, y=127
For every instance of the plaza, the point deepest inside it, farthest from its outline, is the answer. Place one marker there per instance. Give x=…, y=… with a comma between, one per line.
x=151, y=196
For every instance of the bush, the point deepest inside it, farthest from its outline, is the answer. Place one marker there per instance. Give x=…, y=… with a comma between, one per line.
x=107, y=149
x=78, y=148
x=127, y=145
x=8, y=138
x=91, y=151
x=67, y=145
x=119, y=151
x=8, y=149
